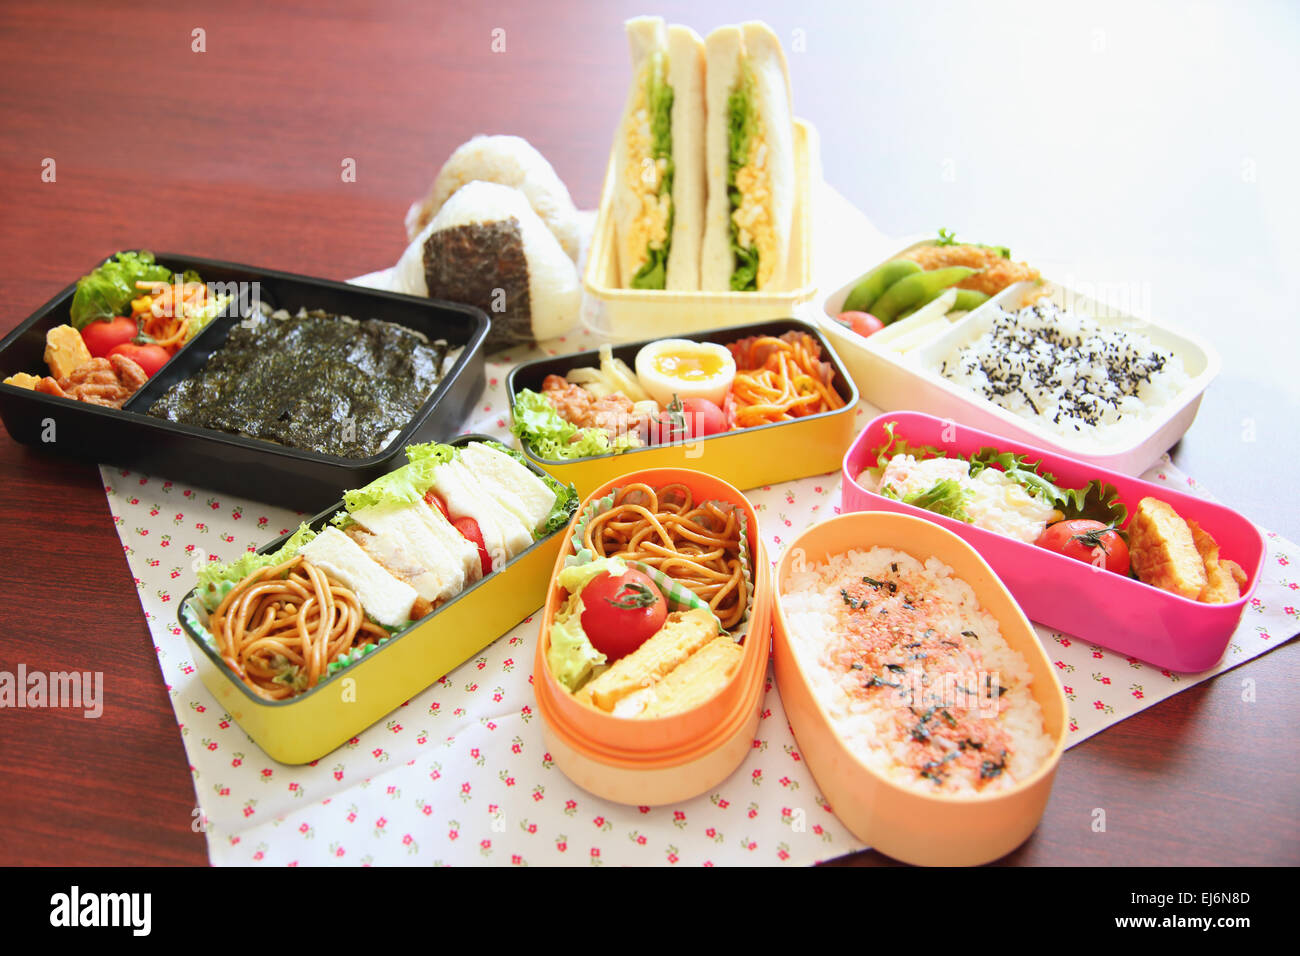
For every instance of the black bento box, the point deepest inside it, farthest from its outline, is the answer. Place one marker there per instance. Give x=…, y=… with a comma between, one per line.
x=252, y=468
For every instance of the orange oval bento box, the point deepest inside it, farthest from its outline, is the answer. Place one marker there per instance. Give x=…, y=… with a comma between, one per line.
x=908, y=824
x=659, y=760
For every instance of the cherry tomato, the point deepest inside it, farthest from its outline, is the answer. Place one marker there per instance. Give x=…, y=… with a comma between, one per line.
x=667, y=427
x=149, y=357
x=620, y=613
x=103, y=335
x=864, y=323
x=470, y=529
x=703, y=418
x=685, y=419
x=1089, y=541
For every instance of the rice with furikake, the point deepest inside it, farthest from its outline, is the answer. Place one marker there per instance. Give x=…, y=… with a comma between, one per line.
x=915, y=676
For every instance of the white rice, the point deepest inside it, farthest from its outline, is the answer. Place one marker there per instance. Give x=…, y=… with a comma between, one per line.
x=1068, y=373
x=878, y=722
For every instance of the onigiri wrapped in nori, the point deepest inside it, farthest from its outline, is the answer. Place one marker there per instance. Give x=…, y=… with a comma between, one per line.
x=487, y=248
x=510, y=161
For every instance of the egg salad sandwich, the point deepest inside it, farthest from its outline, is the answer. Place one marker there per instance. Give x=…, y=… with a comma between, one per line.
x=659, y=160
x=749, y=160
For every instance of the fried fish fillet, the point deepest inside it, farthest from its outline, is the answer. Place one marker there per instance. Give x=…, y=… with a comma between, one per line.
x=1224, y=579
x=1162, y=551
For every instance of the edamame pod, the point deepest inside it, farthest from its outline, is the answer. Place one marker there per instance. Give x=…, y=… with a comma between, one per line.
x=870, y=286
x=916, y=289
x=968, y=300
x=965, y=301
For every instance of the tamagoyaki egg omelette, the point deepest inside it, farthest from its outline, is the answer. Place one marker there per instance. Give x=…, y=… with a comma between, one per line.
x=686, y=369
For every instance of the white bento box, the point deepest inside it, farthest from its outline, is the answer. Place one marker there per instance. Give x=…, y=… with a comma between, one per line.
x=906, y=380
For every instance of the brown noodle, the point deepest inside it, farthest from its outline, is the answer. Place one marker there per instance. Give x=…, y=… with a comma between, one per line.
x=288, y=615
x=699, y=547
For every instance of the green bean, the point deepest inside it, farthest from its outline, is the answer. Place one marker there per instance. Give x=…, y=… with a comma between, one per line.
x=917, y=289
x=876, y=281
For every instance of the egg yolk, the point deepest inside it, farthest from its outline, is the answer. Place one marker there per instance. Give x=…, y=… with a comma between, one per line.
x=695, y=367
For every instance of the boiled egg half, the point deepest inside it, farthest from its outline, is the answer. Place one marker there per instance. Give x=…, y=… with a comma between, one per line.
x=686, y=369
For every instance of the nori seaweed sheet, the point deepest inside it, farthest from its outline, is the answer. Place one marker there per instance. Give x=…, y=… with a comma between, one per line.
x=483, y=264
x=311, y=381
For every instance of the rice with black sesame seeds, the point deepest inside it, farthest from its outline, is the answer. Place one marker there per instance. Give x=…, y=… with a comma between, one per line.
x=1067, y=372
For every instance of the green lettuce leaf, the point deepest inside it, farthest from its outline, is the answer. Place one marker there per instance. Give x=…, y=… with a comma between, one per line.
x=106, y=292
x=536, y=421
x=947, y=498
x=571, y=656
x=216, y=580
x=741, y=123
x=439, y=453
x=653, y=273
x=1097, y=500
x=896, y=445
x=407, y=484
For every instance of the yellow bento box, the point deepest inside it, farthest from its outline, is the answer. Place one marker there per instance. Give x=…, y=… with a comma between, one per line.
x=305, y=728
x=747, y=458
x=628, y=314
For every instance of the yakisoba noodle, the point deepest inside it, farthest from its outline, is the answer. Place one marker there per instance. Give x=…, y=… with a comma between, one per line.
x=779, y=379
x=698, y=546
x=288, y=615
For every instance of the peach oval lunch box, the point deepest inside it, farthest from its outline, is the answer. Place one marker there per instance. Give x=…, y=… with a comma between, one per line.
x=655, y=761
x=905, y=823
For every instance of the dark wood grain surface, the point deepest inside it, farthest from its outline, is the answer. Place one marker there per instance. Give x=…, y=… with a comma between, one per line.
x=236, y=153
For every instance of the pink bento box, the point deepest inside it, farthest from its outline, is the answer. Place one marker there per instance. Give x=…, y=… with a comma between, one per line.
x=1107, y=609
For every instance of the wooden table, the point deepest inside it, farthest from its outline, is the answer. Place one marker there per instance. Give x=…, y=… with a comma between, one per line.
x=236, y=152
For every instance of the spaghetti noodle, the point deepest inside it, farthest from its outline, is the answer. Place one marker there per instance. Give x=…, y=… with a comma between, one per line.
x=162, y=318
x=698, y=546
x=780, y=379
x=281, y=627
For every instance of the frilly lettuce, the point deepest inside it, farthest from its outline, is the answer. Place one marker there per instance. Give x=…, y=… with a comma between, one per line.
x=216, y=580
x=1097, y=499
x=108, y=291
x=552, y=438
x=407, y=484
x=947, y=497
x=741, y=125
x=571, y=656
x=653, y=273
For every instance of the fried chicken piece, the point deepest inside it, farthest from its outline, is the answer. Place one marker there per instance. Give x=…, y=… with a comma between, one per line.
x=1162, y=551
x=997, y=274
x=108, y=382
x=48, y=386
x=129, y=372
x=1224, y=579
